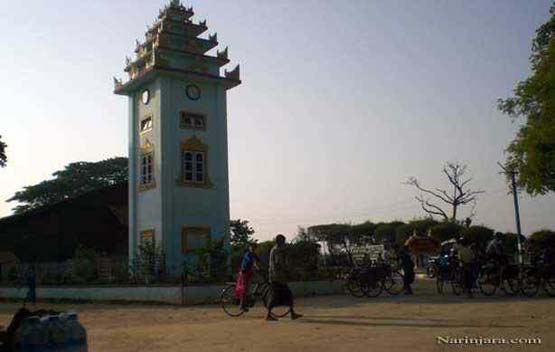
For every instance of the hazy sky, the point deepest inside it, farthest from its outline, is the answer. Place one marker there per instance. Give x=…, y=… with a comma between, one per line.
x=341, y=101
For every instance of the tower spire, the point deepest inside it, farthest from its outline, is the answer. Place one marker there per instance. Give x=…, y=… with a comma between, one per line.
x=174, y=43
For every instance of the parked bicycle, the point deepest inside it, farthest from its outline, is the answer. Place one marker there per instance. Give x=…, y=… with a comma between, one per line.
x=538, y=276
x=444, y=273
x=493, y=276
x=433, y=267
x=231, y=303
x=371, y=280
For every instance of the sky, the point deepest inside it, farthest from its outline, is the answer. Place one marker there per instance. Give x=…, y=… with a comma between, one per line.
x=341, y=101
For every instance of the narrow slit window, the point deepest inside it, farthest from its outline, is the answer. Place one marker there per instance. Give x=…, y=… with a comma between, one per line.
x=146, y=124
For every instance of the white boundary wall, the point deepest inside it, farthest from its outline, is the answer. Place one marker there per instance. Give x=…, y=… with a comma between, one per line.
x=159, y=294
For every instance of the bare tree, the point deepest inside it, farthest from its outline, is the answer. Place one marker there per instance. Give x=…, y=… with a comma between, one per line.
x=433, y=201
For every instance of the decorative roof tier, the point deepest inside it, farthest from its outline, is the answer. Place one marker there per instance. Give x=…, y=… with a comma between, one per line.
x=172, y=44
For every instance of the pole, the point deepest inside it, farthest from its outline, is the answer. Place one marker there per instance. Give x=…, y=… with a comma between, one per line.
x=517, y=215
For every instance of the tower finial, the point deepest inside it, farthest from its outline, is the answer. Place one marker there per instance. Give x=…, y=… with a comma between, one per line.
x=222, y=54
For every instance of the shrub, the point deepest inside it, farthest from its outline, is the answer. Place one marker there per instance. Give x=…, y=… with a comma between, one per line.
x=480, y=235
x=387, y=231
x=12, y=273
x=445, y=231
x=303, y=260
x=542, y=239
x=422, y=226
x=402, y=234
x=83, y=265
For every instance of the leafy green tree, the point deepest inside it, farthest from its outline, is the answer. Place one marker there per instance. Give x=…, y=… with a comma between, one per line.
x=241, y=234
x=532, y=153
x=3, y=157
x=75, y=179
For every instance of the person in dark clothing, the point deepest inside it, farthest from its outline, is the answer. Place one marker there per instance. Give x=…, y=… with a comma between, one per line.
x=467, y=259
x=31, y=281
x=495, y=251
x=248, y=263
x=280, y=294
x=407, y=264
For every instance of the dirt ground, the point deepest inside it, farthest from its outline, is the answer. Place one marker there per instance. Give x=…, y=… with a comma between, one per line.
x=330, y=323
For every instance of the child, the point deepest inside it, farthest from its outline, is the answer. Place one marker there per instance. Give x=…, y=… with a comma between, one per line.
x=249, y=261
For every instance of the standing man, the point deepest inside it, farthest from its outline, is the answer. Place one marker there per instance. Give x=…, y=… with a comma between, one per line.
x=31, y=281
x=407, y=264
x=280, y=294
x=466, y=261
x=495, y=250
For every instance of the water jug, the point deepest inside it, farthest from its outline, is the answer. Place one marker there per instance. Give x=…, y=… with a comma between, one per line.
x=27, y=338
x=77, y=333
x=57, y=334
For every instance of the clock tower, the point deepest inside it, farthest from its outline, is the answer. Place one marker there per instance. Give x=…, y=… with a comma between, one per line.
x=178, y=159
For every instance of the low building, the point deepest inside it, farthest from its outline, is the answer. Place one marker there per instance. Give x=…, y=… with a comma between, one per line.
x=97, y=219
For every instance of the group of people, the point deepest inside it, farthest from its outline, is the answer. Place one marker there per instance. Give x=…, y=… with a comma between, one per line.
x=468, y=256
x=280, y=294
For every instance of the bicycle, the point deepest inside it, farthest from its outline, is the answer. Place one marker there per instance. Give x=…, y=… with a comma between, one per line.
x=535, y=277
x=352, y=282
x=373, y=279
x=432, y=270
x=493, y=276
x=444, y=274
x=231, y=304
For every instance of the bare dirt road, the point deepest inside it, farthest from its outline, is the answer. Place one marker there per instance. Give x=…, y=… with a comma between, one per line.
x=331, y=323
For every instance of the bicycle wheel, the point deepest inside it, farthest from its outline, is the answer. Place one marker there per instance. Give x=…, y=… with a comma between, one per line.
x=353, y=286
x=278, y=311
x=371, y=288
x=511, y=279
x=393, y=283
x=431, y=271
x=511, y=286
x=230, y=303
x=488, y=281
x=529, y=283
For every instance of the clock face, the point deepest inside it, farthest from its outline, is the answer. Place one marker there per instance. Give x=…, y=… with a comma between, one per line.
x=193, y=92
x=145, y=96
